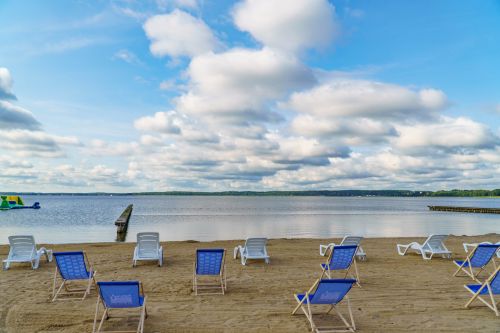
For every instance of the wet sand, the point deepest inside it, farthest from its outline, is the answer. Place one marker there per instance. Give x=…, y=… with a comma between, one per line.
x=398, y=294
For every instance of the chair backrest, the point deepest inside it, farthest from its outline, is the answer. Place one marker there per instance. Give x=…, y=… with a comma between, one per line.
x=148, y=243
x=435, y=243
x=22, y=246
x=331, y=291
x=120, y=294
x=351, y=240
x=342, y=256
x=209, y=261
x=255, y=246
x=71, y=265
x=483, y=254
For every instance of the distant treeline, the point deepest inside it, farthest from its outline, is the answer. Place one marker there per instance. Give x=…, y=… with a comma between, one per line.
x=325, y=193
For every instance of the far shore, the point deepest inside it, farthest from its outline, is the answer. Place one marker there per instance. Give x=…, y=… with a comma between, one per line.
x=398, y=294
x=478, y=193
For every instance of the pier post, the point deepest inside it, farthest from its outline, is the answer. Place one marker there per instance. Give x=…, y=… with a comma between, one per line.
x=122, y=224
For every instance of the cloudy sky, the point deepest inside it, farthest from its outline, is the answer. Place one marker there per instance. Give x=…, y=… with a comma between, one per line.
x=249, y=95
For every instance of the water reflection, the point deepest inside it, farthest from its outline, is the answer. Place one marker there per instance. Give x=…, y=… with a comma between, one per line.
x=68, y=219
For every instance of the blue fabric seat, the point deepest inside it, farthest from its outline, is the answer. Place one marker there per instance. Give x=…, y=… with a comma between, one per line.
x=326, y=292
x=72, y=266
x=209, y=262
x=341, y=258
x=475, y=287
x=490, y=287
x=476, y=262
x=121, y=295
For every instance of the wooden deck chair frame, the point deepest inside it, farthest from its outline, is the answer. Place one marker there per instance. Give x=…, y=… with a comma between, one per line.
x=420, y=248
x=208, y=286
x=349, y=327
x=90, y=284
x=493, y=306
x=328, y=272
x=106, y=315
x=347, y=240
x=469, y=270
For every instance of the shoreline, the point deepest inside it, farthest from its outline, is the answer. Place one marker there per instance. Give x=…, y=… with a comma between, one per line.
x=193, y=241
x=398, y=293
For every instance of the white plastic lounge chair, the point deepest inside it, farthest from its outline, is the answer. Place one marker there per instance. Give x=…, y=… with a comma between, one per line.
x=469, y=246
x=477, y=260
x=255, y=248
x=433, y=245
x=347, y=240
x=23, y=249
x=73, y=268
x=209, y=264
x=148, y=248
x=327, y=292
x=119, y=295
x=341, y=258
x=490, y=287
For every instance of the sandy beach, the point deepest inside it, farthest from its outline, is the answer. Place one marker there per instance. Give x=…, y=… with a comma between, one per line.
x=398, y=294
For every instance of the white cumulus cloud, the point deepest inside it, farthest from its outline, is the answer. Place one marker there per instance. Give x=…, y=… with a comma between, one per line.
x=448, y=133
x=6, y=84
x=179, y=34
x=164, y=122
x=367, y=98
x=234, y=86
x=289, y=25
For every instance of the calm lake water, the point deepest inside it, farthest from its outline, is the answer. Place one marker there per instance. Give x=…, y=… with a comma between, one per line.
x=75, y=219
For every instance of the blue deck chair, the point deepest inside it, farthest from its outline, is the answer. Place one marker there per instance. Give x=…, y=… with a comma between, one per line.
x=490, y=287
x=209, y=264
x=327, y=292
x=477, y=260
x=341, y=258
x=71, y=267
x=120, y=295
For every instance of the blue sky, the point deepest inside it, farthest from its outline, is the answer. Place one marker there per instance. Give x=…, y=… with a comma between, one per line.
x=249, y=95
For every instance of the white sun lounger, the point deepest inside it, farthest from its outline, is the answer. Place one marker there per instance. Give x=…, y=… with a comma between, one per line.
x=23, y=249
x=255, y=248
x=148, y=248
x=433, y=245
x=347, y=240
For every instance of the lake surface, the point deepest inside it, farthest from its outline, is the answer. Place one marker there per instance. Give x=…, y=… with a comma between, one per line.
x=79, y=219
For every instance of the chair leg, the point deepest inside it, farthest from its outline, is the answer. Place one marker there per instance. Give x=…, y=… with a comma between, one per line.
x=309, y=315
x=104, y=316
x=140, y=328
x=235, y=252
x=358, y=281
x=63, y=284
x=402, y=249
x=350, y=313
x=36, y=262
x=346, y=323
x=493, y=304
x=96, y=312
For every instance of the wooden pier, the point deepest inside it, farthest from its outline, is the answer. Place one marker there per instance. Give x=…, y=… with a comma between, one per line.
x=465, y=209
x=122, y=224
